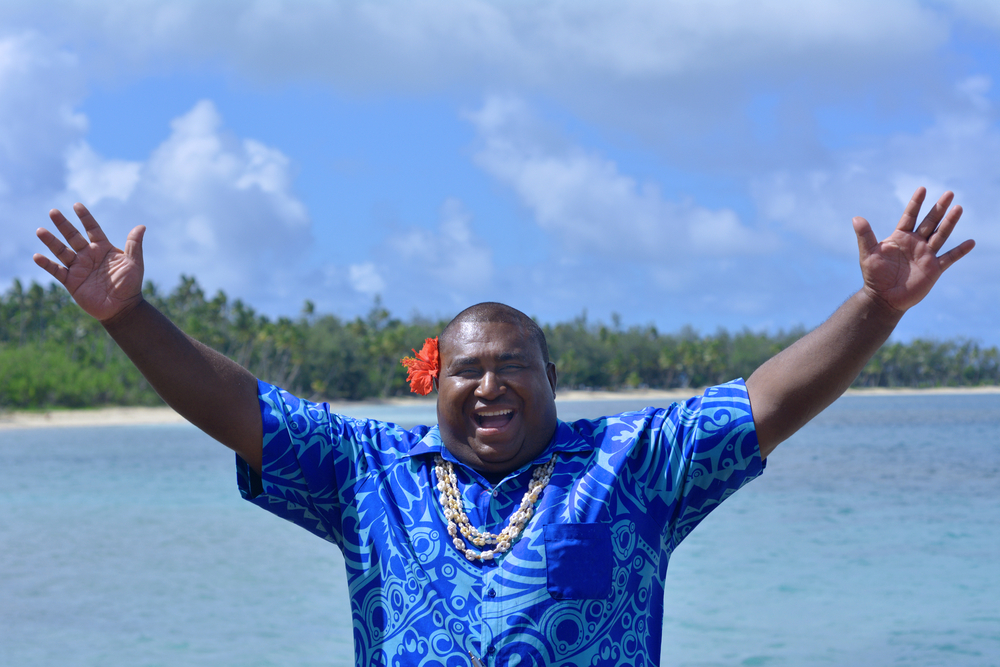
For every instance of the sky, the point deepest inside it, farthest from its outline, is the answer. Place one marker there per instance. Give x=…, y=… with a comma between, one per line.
x=668, y=163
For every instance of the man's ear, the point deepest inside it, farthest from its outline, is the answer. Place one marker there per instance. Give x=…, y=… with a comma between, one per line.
x=550, y=371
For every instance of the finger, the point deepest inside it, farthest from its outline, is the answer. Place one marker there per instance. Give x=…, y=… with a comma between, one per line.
x=60, y=273
x=866, y=237
x=69, y=232
x=58, y=248
x=929, y=223
x=956, y=253
x=909, y=219
x=133, y=244
x=943, y=231
x=94, y=230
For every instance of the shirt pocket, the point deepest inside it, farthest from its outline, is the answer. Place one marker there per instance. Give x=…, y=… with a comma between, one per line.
x=578, y=560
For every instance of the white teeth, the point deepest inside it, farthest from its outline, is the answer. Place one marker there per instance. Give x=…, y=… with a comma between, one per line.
x=495, y=413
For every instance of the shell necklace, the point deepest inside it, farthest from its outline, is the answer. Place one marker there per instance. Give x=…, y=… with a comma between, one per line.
x=458, y=522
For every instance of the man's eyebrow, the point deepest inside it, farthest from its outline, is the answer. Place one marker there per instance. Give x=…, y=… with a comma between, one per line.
x=503, y=356
x=512, y=356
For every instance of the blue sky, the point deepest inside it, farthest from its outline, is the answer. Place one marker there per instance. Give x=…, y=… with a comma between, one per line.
x=675, y=163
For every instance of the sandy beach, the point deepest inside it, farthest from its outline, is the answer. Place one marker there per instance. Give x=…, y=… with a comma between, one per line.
x=117, y=416
x=129, y=416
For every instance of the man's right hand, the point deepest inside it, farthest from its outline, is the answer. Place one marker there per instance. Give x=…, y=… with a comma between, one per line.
x=104, y=280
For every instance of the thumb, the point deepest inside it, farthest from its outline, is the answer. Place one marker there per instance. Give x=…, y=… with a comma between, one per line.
x=866, y=237
x=133, y=244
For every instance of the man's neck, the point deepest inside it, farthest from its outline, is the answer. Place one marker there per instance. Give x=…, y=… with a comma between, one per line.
x=494, y=478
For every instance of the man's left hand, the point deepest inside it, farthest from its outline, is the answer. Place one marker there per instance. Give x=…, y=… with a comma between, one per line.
x=900, y=271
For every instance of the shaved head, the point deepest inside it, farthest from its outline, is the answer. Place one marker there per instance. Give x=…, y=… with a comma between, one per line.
x=496, y=389
x=498, y=313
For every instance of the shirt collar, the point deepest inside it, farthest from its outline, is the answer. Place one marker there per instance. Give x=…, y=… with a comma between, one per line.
x=565, y=439
x=431, y=444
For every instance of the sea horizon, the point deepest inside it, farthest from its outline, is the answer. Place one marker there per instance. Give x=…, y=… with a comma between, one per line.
x=409, y=406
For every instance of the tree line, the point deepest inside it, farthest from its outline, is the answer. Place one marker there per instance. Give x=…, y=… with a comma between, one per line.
x=53, y=354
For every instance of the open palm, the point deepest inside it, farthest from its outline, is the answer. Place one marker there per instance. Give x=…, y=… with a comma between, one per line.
x=104, y=280
x=901, y=270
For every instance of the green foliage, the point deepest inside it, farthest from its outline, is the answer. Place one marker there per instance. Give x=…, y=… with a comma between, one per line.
x=930, y=363
x=53, y=354
x=611, y=358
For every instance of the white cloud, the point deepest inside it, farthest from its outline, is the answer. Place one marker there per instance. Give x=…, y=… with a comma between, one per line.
x=640, y=65
x=670, y=73
x=451, y=259
x=975, y=89
x=905, y=185
x=39, y=88
x=957, y=152
x=432, y=271
x=586, y=202
x=717, y=263
x=92, y=178
x=979, y=12
x=216, y=206
x=674, y=79
x=365, y=278
x=438, y=42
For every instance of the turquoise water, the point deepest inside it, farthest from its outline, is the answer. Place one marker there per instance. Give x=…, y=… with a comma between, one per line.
x=873, y=538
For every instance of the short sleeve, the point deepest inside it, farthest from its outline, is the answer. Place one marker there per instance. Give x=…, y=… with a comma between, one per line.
x=713, y=451
x=314, y=460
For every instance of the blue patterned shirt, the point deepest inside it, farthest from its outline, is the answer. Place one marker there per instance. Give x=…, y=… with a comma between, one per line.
x=583, y=585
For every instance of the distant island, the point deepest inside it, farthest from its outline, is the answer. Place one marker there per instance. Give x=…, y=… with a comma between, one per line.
x=54, y=355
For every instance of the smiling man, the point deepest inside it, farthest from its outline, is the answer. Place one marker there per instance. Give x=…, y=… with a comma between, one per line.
x=496, y=389
x=503, y=535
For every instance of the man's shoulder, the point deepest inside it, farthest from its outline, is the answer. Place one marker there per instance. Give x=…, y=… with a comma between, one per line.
x=613, y=431
x=305, y=420
x=619, y=429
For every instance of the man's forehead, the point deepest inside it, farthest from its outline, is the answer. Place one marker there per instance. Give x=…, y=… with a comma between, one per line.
x=494, y=337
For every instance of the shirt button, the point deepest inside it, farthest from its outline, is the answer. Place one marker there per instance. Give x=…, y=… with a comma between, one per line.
x=492, y=593
x=491, y=650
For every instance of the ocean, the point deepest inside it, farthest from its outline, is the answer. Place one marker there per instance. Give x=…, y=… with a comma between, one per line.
x=873, y=538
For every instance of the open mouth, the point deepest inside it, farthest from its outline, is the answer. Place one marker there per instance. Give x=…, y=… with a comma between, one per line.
x=494, y=418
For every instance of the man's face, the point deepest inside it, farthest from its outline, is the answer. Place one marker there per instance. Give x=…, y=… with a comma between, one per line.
x=496, y=397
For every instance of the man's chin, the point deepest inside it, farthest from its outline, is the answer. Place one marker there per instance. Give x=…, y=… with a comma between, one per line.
x=495, y=455
x=497, y=445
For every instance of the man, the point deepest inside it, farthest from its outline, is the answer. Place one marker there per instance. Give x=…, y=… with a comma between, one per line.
x=502, y=535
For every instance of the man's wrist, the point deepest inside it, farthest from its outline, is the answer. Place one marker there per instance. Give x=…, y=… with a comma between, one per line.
x=877, y=308
x=122, y=316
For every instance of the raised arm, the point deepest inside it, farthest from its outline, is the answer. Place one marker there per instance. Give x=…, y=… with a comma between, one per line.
x=211, y=391
x=801, y=381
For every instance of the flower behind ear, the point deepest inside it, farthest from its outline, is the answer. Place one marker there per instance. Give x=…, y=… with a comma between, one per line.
x=422, y=370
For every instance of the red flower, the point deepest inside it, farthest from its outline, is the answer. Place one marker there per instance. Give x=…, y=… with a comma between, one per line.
x=423, y=369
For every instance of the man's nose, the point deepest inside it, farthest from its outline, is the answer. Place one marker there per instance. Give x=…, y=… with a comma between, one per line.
x=490, y=386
